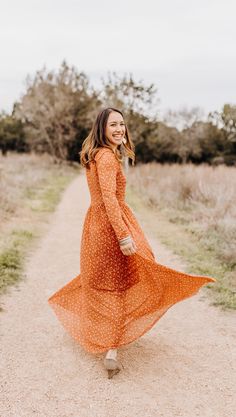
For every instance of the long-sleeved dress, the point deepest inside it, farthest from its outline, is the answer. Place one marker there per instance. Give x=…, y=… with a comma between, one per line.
x=116, y=298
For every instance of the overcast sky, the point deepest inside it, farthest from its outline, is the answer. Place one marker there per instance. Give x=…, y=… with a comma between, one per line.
x=186, y=47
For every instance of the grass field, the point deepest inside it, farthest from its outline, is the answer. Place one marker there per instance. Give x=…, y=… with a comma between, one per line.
x=191, y=209
x=30, y=189
x=194, y=213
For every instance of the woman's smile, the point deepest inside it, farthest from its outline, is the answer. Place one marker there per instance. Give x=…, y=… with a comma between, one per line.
x=115, y=129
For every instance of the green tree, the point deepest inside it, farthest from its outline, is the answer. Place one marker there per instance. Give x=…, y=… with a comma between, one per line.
x=205, y=142
x=226, y=120
x=12, y=135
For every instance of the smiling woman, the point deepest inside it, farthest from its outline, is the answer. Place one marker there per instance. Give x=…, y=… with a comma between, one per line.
x=115, y=129
x=121, y=291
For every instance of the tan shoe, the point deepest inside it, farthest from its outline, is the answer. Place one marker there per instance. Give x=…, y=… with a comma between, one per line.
x=111, y=363
x=113, y=367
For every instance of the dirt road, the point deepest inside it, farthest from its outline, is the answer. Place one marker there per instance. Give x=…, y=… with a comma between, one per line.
x=182, y=367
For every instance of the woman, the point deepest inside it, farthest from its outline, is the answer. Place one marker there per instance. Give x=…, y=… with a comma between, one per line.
x=121, y=291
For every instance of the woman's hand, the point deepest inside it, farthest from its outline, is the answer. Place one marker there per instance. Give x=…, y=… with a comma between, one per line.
x=128, y=247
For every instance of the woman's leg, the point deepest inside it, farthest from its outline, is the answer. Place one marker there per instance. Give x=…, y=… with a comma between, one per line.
x=111, y=354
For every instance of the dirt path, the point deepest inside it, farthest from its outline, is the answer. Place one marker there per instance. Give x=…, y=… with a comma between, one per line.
x=182, y=367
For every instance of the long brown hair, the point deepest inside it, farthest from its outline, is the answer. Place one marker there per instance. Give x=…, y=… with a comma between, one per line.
x=97, y=139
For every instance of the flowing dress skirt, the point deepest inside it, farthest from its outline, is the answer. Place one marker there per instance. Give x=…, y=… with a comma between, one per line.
x=116, y=298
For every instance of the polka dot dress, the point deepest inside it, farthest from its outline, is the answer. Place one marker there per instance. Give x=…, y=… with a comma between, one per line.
x=116, y=298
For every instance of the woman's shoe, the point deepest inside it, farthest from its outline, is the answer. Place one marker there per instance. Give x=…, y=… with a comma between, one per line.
x=113, y=366
x=111, y=363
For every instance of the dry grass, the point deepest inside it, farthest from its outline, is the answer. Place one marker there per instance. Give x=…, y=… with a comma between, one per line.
x=21, y=174
x=201, y=201
x=30, y=188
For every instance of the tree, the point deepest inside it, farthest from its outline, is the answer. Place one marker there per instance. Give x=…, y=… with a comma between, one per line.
x=131, y=96
x=12, y=135
x=56, y=109
x=226, y=120
x=183, y=118
x=205, y=142
x=166, y=144
x=138, y=102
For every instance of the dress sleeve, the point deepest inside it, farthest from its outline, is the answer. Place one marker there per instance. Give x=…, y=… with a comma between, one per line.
x=107, y=170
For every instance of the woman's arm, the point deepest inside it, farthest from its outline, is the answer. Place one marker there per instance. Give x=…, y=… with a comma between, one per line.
x=107, y=169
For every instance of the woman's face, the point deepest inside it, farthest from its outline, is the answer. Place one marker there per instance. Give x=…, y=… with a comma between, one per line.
x=115, y=128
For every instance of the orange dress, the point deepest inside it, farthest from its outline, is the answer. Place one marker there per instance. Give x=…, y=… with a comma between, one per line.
x=116, y=298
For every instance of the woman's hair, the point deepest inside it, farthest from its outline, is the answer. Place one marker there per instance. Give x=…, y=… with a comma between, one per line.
x=97, y=139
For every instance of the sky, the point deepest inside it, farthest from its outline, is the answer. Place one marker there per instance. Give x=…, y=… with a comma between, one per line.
x=185, y=47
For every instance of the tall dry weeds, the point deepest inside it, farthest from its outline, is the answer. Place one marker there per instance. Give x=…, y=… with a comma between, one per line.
x=203, y=197
x=19, y=173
